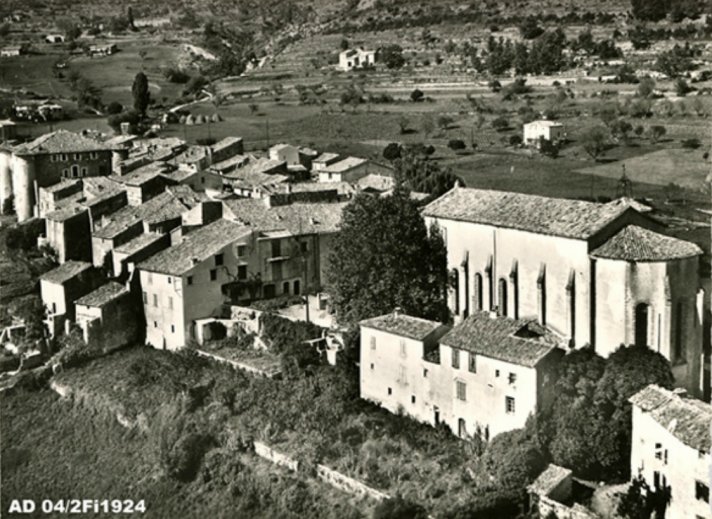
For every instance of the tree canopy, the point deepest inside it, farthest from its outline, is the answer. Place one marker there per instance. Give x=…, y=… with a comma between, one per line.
x=384, y=258
x=141, y=94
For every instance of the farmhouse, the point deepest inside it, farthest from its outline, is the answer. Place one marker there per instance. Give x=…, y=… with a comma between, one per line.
x=483, y=377
x=551, y=131
x=356, y=58
x=671, y=448
x=54, y=38
x=597, y=274
x=350, y=169
x=10, y=51
x=104, y=49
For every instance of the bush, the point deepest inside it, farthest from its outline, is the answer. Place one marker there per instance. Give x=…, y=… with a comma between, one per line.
x=515, y=140
x=417, y=95
x=392, y=151
x=24, y=236
x=691, y=144
x=114, y=108
x=183, y=460
x=500, y=124
x=283, y=333
x=399, y=508
x=175, y=75
x=456, y=144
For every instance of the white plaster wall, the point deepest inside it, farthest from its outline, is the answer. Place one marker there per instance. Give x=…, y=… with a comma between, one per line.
x=684, y=466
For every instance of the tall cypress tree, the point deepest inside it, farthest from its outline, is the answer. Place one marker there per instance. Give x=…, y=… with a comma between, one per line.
x=141, y=94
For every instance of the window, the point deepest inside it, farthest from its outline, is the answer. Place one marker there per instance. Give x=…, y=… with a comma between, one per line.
x=173, y=329
x=642, y=312
x=478, y=303
x=93, y=155
x=213, y=274
x=75, y=171
x=219, y=258
x=241, y=250
x=84, y=172
x=285, y=287
x=502, y=297
x=65, y=157
x=412, y=399
x=496, y=373
x=190, y=280
x=373, y=343
x=371, y=366
x=461, y=390
x=702, y=492
x=54, y=308
x=297, y=287
x=304, y=246
x=659, y=452
x=679, y=345
x=472, y=367
x=170, y=280
x=242, y=272
x=541, y=288
x=145, y=297
x=402, y=348
x=512, y=378
x=150, y=278
x=390, y=391
x=65, y=173
x=155, y=300
x=170, y=303
x=455, y=281
x=509, y=404
x=155, y=324
x=425, y=372
x=455, y=358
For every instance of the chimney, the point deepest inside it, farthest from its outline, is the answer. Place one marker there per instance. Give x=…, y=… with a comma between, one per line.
x=397, y=311
x=289, y=188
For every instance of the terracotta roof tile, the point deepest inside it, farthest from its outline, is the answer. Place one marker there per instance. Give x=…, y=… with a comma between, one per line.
x=66, y=271
x=523, y=342
x=633, y=243
x=556, y=216
x=548, y=480
x=103, y=295
x=298, y=218
x=403, y=325
x=61, y=141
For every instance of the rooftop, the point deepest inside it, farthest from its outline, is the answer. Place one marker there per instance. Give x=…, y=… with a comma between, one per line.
x=226, y=143
x=544, y=122
x=555, y=216
x=196, y=247
x=62, y=185
x=139, y=242
x=687, y=419
x=326, y=157
x=376, y=182
x=256, y=165
x=103, y=295
x=60, y=141
x=143, y=174
x=403, y=325
x=345, y=165
x=517, y=341
x=633, y=243
x=298, y=218
x=548, y=480
x=66, y=271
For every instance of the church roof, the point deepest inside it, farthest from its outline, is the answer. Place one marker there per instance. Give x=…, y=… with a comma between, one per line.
x=516, y=341
x=633, y=243
x=60, y=141
x=539, y=214
x=403, y=325
x=687, y=419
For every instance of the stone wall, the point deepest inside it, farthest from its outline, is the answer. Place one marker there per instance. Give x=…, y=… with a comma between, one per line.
x=347, y=484
x=265, y=451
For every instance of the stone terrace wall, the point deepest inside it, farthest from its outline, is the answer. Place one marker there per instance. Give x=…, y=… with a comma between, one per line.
x=347, y=484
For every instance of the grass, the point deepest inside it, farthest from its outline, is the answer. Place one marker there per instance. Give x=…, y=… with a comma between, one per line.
x=52, y=449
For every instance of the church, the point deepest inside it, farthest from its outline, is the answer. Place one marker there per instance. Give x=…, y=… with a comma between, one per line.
x=598, y=274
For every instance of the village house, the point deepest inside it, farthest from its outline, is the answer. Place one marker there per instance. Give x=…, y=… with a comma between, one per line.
x=350, y=169
x=554, y=492
x=285, y=153
x=54, y=38
x=12, y=51
x=324, y=160
x=102, y=49
x=551, y=131
x=45, y=161
x=61, y=286
x=671, y=449
x=38, y=111
x=356, y=58
x=108, y=317
x=485, y=376
x=596, y=274
x=8, y=130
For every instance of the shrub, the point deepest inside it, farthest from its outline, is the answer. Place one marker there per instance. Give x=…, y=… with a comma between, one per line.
x=282, y=333
x=392, y=151
x=417, y=95
x=114, y=108
x=456, y=144
x=691, y=144
x=515, y=140
x=24, y=236
x=183, y=460
x=500, y=124
x=176, y=75
x=399, y=508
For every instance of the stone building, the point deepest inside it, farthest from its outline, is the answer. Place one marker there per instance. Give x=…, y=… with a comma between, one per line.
x=356, y=58
x=60, y=287
x=485, y=376
x=597, y=274
x=671, y=449
x=108, y=317
x=46, y=161
x=551, y=131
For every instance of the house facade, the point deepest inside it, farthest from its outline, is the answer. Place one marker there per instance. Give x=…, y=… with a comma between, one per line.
x=671, y=449
x=543, y=129
x=485, y=376
x=596, y=274
x=356, y=58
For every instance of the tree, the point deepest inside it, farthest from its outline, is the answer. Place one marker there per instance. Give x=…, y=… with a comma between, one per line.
x=392, y=151
x=656, y=132
x=635, y=503
x=141, y=93
x=344, y=44
x=399, y=508
x=595, y=140
x=415, y=172
x=403, y=123
x=427, y=124
x=417, y=95
x=530, y=29
x=646, y=87
x=500, y=123
x=383, y=258
x=456, y=144
x=675, y=61
x=621, y=129
x=392, y=56
x=650, y=10
x=444, y=121
x=114, y=108
x=682, y=88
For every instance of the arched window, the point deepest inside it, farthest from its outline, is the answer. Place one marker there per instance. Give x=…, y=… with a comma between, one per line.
x=477, y=301
x=642, y=317
x=75, y=171
x=297, y=287
x=502, y=296
x=455, y=285
x=514, y=279
x=679, y=353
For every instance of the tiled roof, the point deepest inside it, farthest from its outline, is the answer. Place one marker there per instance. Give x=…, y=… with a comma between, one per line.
x=139, y=242
x=300, y=218
x=687, y=419
x=626, y=202
x=341, y=188
x=261, y=165
x=226, y=143
x=60, y=141
x=376, y=182
x=66, y=271
x=246, y=179
x=403, y=325
x=103, y=295
x=544, y=122
x=65, y=212
x=548, y=480
x=62, y=185
x=143, y=174
x=99, y=186
x=233, y=162
x=633, y=243
x=326, y=157
x=198, y=245
x=523, y=342
x=165, y=206
x=344, y=165
x=556, y=216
